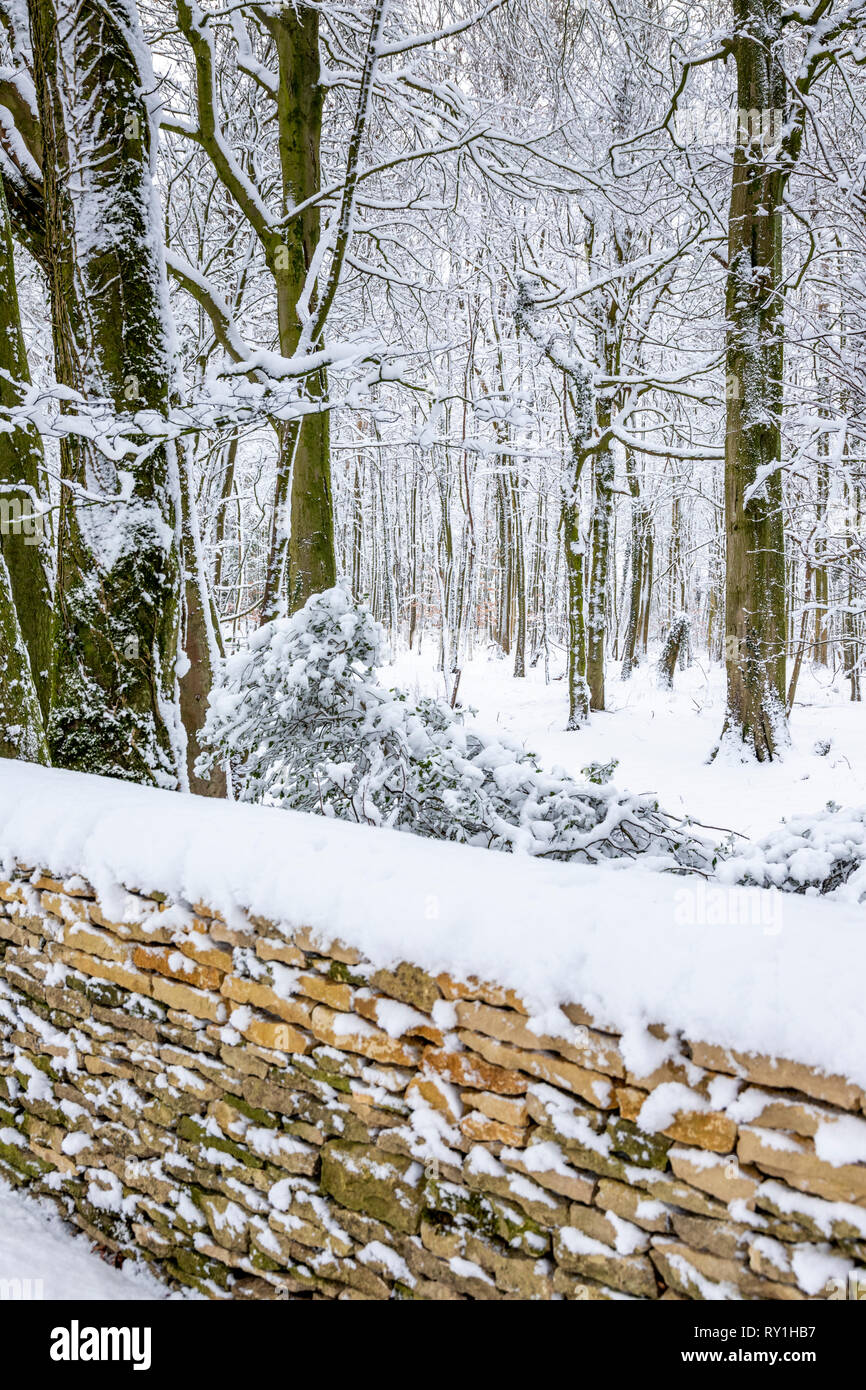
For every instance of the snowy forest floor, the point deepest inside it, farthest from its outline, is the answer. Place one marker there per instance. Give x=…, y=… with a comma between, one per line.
x=663, y=739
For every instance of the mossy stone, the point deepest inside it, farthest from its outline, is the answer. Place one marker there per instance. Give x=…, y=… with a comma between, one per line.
x=644, y=1150
x=364, y=1178
x=267, y=1118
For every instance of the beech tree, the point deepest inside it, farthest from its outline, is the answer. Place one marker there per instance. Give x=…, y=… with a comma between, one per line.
x=25, y=531
x=114, y=699
x=21, y=731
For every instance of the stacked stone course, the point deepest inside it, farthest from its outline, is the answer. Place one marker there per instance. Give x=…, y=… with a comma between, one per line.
x=259, y=1113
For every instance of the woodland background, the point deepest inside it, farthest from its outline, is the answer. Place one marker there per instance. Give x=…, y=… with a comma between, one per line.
x=537, y=324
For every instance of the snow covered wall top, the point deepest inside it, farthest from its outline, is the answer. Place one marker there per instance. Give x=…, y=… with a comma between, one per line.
x=277, y=1055
x=746, y=969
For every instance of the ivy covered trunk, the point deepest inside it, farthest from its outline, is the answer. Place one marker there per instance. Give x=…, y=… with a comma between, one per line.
x=21, y=731
x=755, y=590
x=25, y=600
x=25, y=542
x=302, y=559
x=675, y=643
x=584, y=403
x=114, y=690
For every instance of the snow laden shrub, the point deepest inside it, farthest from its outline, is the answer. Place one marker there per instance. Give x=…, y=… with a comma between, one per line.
x=600, y=772
x=304, y=723
x=823, y=853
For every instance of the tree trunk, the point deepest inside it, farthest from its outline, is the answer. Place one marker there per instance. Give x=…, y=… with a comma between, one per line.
x=646, y=598
x=226, y=490
x=519, y=576
x=578, y=688
x=200, y=645
x=503, y=620
x=755, y=584
x=414, y=541
x=638, y=562
x=21, y=730
x=114, y=691
x=801, y=644
x=675, y=643
x=596, y=623
x=302, y=559
x=538, y=559
x=822, y=585
x=676, y=576
x=24, y=537
x=852, y=646
x=358, y=527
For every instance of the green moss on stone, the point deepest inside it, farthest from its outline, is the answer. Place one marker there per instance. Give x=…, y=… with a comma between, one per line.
x=364, y=1178
x=644, y=1150
x=252, y=1112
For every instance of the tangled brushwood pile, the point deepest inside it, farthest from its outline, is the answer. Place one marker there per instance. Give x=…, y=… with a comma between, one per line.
x=823, y=853
x=303, y=722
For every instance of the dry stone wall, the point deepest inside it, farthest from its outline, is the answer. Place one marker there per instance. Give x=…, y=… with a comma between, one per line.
x=259, y=1113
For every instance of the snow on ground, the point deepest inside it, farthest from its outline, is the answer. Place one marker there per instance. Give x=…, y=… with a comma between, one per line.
x=42, y=1257
x=663, y=739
